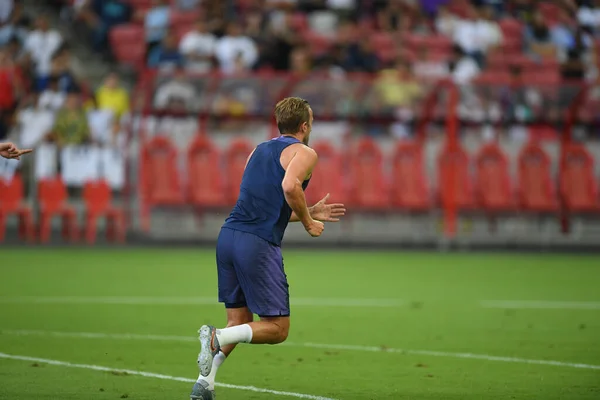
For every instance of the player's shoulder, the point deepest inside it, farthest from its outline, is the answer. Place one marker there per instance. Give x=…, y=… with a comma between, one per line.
x=304, y=150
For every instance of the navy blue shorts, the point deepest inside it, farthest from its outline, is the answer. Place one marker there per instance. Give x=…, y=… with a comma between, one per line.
x=251, y=274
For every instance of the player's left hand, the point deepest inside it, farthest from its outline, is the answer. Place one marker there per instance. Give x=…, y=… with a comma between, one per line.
x=9, y=150
x=327, y=212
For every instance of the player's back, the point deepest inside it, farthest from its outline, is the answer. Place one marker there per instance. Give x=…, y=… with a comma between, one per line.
x=261, y=208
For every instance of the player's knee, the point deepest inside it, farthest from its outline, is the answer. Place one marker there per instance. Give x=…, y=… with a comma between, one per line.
x=282, y=332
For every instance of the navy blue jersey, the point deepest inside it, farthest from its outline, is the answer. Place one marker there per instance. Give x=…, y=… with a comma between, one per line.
x=261, y=208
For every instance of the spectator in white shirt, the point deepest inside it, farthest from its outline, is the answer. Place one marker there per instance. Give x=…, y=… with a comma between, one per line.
x=465, y=34
x=175, y=95
x=41, y=44
x=588, y=15
x=488, y=29
x=198, y=47
x=462, y=67
x=52, y=98
x=445, y=22
x=233, y=47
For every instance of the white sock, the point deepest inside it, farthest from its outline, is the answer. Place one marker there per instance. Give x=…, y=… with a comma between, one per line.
x=234, y=334
x=210, y=379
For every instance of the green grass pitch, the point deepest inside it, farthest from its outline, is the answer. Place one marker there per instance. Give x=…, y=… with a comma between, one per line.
x=365, y=325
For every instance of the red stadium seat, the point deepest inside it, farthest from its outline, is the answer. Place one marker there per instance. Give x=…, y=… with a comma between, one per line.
x=97, y=197
x=511, y=28
x=369, y=190
x=206, y=187
x=382, y=41
x=492, y=183
x=52, y=197
x=409, y=183
x=536, y=191
x=298, y=22
x=11, y=203
x=328, y=176
x=435, y=43
x=236, y=158
x=179, y=18
x=454, y=179
x=317, y=44
x=128, y=44
x=160, y=180
x=160, y=183
x=578, y=188
x=126, y=33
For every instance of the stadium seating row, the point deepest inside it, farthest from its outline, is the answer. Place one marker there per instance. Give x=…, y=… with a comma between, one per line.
x=52, y=200
x=363, y=180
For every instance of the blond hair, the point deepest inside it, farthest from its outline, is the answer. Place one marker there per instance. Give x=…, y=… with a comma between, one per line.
x=290, y=113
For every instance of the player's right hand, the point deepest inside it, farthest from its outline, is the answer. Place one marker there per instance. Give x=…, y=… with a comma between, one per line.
x=315, y=228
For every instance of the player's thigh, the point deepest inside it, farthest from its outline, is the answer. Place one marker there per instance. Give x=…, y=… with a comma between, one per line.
x=230, y=290
x=259, y=267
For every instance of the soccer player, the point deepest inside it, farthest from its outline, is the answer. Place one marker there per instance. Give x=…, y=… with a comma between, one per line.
x=9, y=150
x=249, y=263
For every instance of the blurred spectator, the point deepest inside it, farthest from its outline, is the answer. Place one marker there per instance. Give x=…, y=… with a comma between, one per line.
x=10, y=83
x=112, y=96
x=41, y=44
x=104, y=127
x=102, y=15
x=538, y=39
x=71, y=126
x=427, y=68
x=10, y=91
x=588, y=15
x=573, y=68
x=389, y=15
x=65, y=69
x=334, y=60
x=11, y=19
x=446, y=22
x=562, y=33
x=234, y=46
x=475, y=33
x=176, y=94
x=462, y=67
x=398, y=87
x=156, y=23
x=300, y=61
x=431, y=7
x=52, y=98
x=342, y=7
x=187, y=4
x=166, y=55
x=280, y=42
x=198, y=47
x=13, y=48
x=361, y=57
x=488, y=30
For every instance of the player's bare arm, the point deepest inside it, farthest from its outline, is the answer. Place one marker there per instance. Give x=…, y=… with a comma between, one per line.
x=10, y=151
x=301, y=164
x=324, y=212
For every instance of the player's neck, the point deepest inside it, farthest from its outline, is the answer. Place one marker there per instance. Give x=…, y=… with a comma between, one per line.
x=296, y=136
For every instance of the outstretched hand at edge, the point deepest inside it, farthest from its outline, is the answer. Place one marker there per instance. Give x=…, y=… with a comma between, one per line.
x=327, y=212
x=10, y=151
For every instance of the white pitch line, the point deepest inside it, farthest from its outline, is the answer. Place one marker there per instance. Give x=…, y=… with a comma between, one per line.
x=159, y=376
x=542, y=304
x=299, y=301
x=374, y=349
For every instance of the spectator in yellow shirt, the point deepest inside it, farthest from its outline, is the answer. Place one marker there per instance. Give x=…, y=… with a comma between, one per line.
x=113, y=97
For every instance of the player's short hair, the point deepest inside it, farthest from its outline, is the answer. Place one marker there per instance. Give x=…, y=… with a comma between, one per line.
x=290, y=113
